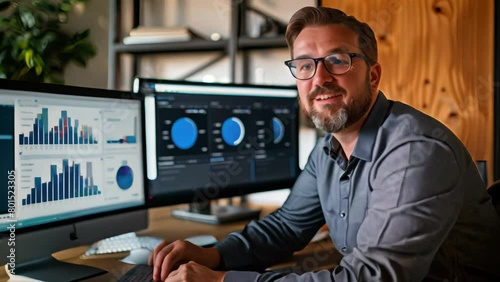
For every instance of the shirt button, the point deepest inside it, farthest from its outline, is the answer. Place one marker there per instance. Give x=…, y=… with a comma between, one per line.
x=344, y=249
x=342, y=214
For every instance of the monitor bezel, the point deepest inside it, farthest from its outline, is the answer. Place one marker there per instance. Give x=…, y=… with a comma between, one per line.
x=196, y=194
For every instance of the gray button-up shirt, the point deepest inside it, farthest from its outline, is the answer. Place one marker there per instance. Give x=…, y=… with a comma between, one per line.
x=409, y=205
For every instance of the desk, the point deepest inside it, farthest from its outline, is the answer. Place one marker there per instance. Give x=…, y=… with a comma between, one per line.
x=316, y=256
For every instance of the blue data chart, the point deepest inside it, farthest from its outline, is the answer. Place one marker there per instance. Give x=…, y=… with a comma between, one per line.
x=120, y=127
x=233, y=131
x=125, y=177
x=68, y=183
x=184, y=133
x=278, y=130
x=129, y=139
x=67, y=131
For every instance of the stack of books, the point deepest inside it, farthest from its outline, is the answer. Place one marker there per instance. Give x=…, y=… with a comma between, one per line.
x=147, y=35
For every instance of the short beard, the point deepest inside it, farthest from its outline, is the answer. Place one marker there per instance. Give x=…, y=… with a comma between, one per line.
x=346, y=115
x=336, y=123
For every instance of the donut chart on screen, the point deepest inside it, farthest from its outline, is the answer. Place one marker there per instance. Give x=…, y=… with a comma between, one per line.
x=184, y=133
x=124, y=177
x=233, y=131
x=278, y=129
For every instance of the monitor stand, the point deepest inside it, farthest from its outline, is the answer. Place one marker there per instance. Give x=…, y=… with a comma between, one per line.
x=50, y=269
x=215, y=214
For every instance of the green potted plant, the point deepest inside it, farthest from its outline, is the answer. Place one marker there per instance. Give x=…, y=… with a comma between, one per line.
x=33, y=45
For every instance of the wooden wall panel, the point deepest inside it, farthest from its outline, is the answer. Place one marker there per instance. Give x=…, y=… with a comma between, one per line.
x=437, y=55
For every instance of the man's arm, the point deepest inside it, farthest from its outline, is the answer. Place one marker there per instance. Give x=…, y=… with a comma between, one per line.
x=275, y=237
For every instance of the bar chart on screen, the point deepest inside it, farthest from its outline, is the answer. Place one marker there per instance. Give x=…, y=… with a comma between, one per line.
x=120, y=127
x=48, y=186
x=67, y=182
x=66, y=131
x=58, y=130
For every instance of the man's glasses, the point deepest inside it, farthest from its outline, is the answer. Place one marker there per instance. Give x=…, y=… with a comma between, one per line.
x=337, y=63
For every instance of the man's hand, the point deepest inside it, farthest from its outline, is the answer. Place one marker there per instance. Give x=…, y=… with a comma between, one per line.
x=167, y=257
x=193, y=272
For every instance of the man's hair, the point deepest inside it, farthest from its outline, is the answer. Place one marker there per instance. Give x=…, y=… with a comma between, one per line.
x=314, y=16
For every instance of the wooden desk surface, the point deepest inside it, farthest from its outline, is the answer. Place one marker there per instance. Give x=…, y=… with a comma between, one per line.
x=316, y=256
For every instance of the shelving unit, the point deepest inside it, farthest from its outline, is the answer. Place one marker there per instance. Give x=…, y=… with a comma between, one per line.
x=237, y=43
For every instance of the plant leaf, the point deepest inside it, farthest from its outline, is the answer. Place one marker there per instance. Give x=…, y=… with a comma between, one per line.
x=65, y=7
x=39, y=64
x=33, y=44
x=27, y=19
x=28, y=58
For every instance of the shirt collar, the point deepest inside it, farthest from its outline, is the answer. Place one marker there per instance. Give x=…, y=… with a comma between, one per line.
x=367, y=134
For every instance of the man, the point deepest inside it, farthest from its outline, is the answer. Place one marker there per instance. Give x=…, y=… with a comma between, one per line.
x=401, y=195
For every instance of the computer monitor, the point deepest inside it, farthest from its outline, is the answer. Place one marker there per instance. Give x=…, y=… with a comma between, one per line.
x=72, y=172
x=208, y=141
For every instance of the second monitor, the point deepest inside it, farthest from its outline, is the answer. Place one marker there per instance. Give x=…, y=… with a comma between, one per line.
x=208, y=141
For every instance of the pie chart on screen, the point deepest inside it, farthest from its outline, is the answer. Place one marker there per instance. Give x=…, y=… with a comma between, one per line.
x=184, y=133
x=124, y=177
x=233, y=131
x=278, y=129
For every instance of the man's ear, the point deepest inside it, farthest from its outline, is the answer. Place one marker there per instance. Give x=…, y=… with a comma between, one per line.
x=375, y=74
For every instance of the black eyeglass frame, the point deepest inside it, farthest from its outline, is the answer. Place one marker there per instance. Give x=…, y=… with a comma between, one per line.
x=316, y=60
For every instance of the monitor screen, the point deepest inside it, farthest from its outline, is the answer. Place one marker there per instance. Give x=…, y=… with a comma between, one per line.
x=72, y=168
x=208, y=141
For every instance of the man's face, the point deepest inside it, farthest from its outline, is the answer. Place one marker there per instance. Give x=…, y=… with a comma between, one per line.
x=334, y=102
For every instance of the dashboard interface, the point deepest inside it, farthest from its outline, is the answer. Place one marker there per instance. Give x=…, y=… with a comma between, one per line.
x=219, y=139
x=68, y=156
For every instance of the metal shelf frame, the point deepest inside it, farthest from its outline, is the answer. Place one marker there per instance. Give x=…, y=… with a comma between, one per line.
x=238, y=42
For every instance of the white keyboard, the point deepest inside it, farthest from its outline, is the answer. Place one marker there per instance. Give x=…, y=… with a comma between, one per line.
x=123, y=243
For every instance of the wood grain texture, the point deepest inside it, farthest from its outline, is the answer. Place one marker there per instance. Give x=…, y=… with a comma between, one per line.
x=437, y=55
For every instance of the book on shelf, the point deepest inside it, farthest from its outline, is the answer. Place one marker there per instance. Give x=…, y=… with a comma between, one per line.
x=146, y=35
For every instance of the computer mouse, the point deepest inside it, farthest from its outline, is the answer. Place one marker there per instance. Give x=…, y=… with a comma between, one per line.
x=137, y=256
x=202, y=240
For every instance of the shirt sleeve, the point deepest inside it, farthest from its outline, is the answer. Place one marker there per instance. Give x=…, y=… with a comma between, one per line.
x=275, y=237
